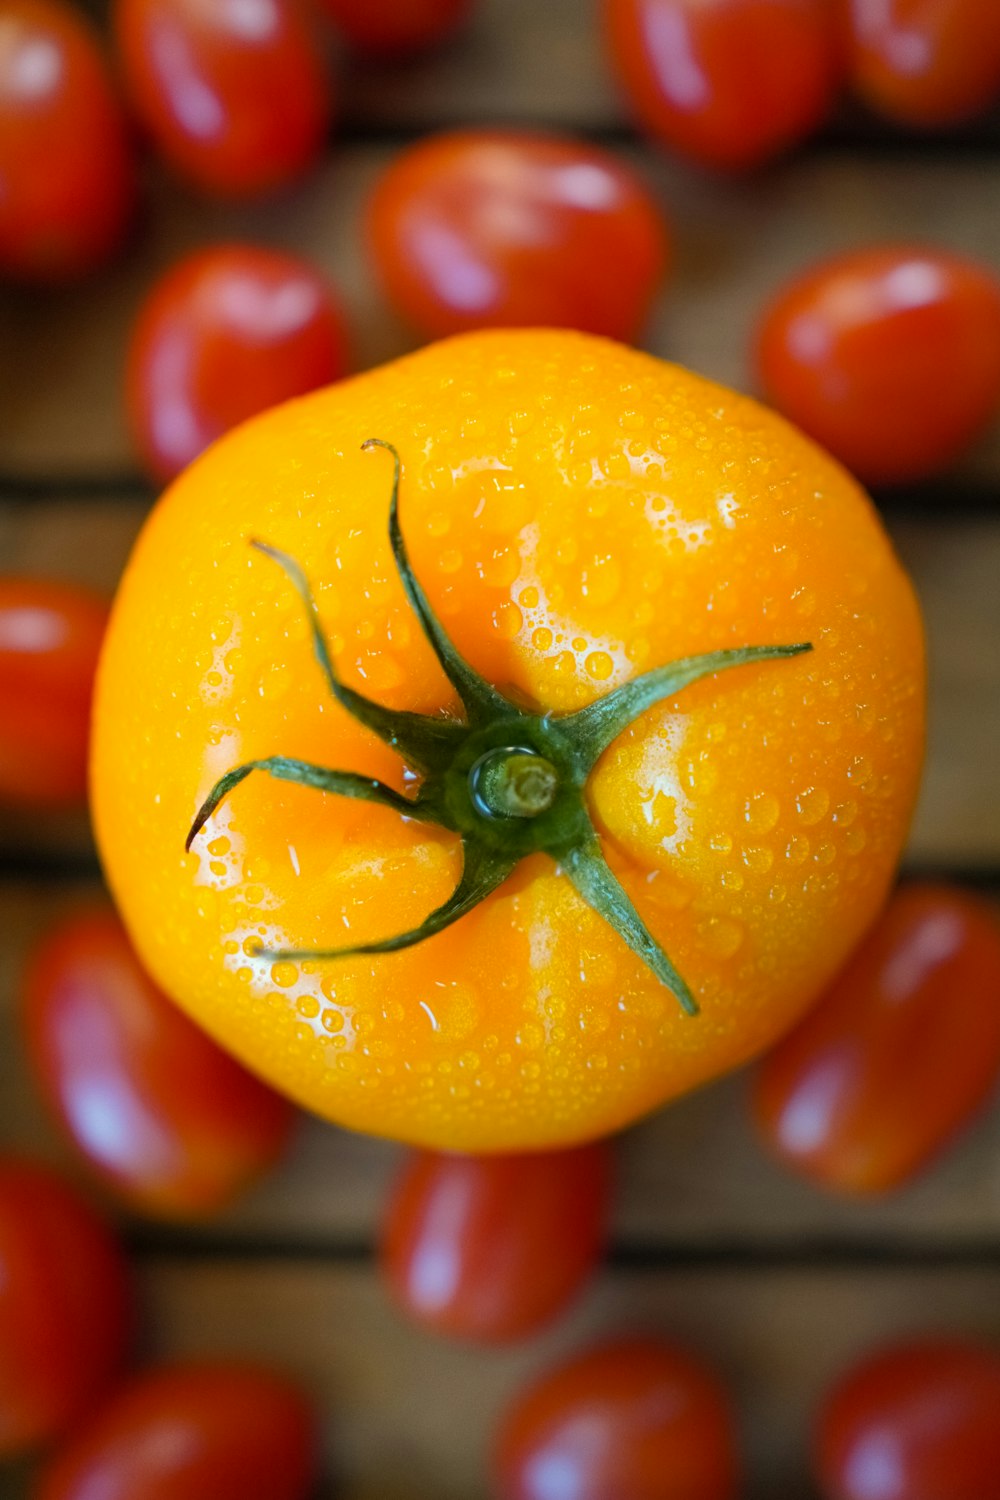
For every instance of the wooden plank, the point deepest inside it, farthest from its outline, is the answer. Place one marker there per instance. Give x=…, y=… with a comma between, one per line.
x=62, y=355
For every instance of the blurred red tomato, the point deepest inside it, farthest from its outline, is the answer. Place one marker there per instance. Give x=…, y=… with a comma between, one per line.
x=731, y=83
x=395, y=27
x=166, y=1117
x=491, y=1248
x=917, y=1422
x=476, y=229
x=888, y=357
x=900, y=1053
x=226, y=333
x=631, y=1420
x=50, y=637
x=235, y=95
x=66, y=184
x=926, y=62
x=192, y=1432
x=65, y=1306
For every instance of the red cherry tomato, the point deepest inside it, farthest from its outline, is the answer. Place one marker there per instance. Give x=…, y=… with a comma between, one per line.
x=475, y=229
x=166, y=1117
x=395, y=27
x=926, y=62
x=65, y=1306
x=490, y=1248
x=630, y=1420
x=66, y=183
x=899, y=1055
x=234, y=95
x=731, y=83
x=192, y=1432
x=916, y=1422
x=225, y=334
x=50, y=637
x=888, y=357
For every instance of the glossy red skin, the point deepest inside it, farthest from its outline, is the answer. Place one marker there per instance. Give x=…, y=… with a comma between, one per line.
x=192, y=1432
x=65, y=1306
x=226, y=333
x=66, y=180
x=489, y=229
x=50, y=638
x=394, y=28
x=631, y=1420
x=235, y=97
x=899, y=1055
x=926, y=62
x=915, y=1422
x=889, y=357
x=732, y=83
x=491, y=1248
x=162, y=1114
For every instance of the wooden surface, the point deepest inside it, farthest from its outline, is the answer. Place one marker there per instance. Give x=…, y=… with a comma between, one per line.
x=777, y=1283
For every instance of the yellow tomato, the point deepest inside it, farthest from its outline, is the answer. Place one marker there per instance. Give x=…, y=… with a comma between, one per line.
x=579, y=515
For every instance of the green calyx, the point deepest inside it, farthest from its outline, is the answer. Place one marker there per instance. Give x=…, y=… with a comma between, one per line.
x=508, y=781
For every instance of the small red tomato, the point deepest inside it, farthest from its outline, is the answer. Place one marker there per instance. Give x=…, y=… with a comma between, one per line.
x=167, y=1118
x=731, y=83
x=66, y=183
x=925, y=62
x=50, y=638
x=888, y=357
x=491, y=1248
x=476, y=229
x=192, y=1432
x=630, y=1420
x=234, y=93
x=396, y=27
x=915, y=1422
x=901, y=1052
x=65, y=1306
x=225, y=334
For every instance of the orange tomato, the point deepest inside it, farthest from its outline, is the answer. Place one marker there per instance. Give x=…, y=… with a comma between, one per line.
x=581, y=515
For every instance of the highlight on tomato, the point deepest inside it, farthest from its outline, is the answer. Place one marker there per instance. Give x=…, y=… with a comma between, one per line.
x=161, y=1114
x=66, y=178
x=889, y=357
x=925, y=62
x=914, y=1421
x=899, y=1055
x=501, y=228
x=492, y=1248
x=236, y=98
x=634, y=1417
x=227, y=332
x=50, y=637
x=65, y=1306
x=195, y=1431
x=396, y=28
x=731, y=84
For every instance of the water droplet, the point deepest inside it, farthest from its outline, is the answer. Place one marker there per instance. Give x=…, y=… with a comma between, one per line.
x=450, y=561
x=797, y=849
x=860, y=770
x=812, y=804
x=599, y=665
x=333, y=1020
x=308, y=1006
x=529, y=597
x=761, y=812
x=438, y=523
x=825, y=854
x=721, y=843
x=284, y=973
x=542, y=638
x=507, y=620
x=531, y=1036
x=758, y=858
x=855, y=840
x=721, y=937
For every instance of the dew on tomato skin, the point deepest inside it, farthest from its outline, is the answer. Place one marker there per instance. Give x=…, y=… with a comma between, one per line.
x=812, y=804
x=761, y=812
x=797, y=849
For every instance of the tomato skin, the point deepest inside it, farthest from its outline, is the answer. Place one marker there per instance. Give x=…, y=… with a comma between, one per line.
x=492, y=1248
x=66, y=177
x=473, y=229
x=914, y=1422
x=396, y=27
x=635, y=1418
x=925, y=62
x=731, y=84
x=237, y=108
x=163, y=1115
x=65, y=1306
x=900, y=1053
x=889, y=357
x=192, y=1432
x=50, y=638
x=226, y=333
